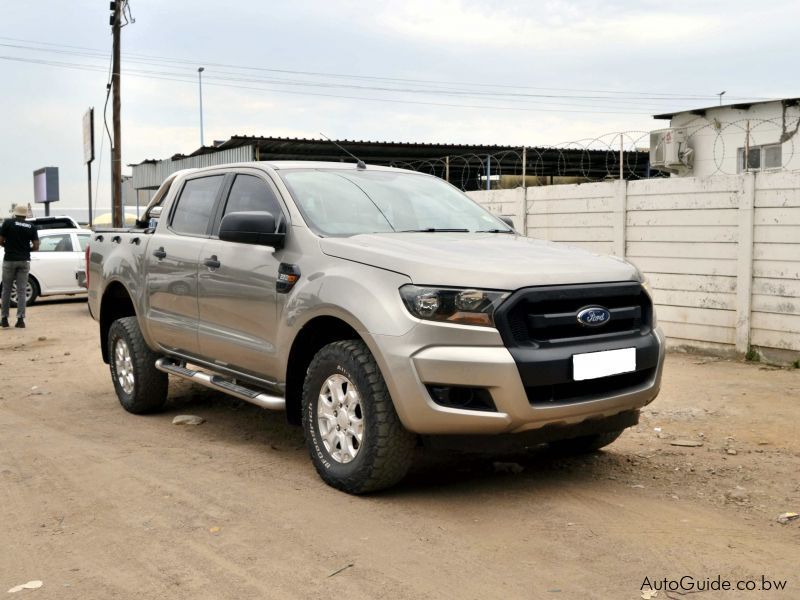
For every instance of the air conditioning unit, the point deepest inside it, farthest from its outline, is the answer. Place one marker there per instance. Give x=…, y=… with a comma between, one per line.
x=670, y=151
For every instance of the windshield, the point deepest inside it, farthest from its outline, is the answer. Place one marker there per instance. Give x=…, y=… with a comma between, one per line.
x=342, y=203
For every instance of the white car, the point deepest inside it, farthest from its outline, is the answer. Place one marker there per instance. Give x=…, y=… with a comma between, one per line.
x=53, y=268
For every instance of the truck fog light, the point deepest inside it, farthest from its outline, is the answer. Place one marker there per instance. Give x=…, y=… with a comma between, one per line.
x=467, y=398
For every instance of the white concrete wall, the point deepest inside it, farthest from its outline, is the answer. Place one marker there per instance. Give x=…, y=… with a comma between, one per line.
x=717, y=135
x=722, y=254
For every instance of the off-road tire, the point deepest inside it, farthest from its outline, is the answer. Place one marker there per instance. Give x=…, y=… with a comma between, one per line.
x=585, y=444
x=387, y=450
x=149, y=391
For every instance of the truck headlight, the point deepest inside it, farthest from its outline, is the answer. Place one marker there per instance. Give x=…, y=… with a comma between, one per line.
x=452, y=305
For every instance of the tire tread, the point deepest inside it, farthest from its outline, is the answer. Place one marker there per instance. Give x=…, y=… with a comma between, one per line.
x=388, y=460
x=151, y=385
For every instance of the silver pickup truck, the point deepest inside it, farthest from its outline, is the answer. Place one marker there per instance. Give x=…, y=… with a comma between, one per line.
x=382, y=309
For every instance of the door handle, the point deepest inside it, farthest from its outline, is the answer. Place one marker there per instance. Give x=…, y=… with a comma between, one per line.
x=212, y=263
x=160, y=253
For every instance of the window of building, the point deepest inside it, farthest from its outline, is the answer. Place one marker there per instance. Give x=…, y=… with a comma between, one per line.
x=759, y=158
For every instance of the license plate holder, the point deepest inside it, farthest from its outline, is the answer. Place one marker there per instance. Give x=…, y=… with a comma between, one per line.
x=594, y=365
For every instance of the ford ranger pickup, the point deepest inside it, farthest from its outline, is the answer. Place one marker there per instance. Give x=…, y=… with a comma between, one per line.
x=381, y=309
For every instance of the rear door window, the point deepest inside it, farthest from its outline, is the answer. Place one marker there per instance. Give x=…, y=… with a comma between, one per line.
x=195, y=205
x=55, y=243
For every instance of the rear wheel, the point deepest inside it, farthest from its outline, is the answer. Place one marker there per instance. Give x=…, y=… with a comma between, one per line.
x=586, y=443
x=140, y=387
x=31, y=292
x=353, y=433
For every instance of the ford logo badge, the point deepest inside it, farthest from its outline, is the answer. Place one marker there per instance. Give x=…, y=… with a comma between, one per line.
x=594, y=316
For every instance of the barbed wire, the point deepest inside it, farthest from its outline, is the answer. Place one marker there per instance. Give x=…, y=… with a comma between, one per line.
x=717, y=149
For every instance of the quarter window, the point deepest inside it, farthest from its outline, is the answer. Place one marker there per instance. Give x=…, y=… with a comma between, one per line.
x=193, y=213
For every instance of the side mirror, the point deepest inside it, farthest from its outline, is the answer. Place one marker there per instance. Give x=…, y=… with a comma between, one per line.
x=251, y=228
x=507, y=220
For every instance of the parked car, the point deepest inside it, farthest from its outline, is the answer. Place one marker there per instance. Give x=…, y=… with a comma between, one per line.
x=54, y=267
x=54, y=222
x=380, y=308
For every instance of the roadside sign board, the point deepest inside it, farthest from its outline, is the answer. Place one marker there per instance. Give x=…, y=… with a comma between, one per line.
x=88, y=136
x=45, y=185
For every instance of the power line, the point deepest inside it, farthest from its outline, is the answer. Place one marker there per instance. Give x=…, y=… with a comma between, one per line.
x=637, y=95
x=151, y=75
x=507, y=96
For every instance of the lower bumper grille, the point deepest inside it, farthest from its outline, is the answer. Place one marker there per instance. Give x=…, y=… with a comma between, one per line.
x=580, y=391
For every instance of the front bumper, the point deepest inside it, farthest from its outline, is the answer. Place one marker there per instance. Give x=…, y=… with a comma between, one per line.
x=476, y=357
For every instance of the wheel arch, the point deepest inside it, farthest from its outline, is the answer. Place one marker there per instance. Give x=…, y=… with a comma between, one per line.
x=316, y=333
x=116, y=304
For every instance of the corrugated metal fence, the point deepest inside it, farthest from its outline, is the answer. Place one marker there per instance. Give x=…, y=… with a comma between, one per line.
x=151, y=175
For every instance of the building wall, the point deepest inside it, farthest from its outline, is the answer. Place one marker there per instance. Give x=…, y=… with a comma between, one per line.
x=717, y=136
x=722, y=254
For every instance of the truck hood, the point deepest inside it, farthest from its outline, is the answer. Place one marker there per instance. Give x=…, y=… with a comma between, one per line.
x=479, y=260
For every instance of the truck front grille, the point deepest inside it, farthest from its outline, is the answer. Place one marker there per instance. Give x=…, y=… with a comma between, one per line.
x=546, y=316
x=540, y=328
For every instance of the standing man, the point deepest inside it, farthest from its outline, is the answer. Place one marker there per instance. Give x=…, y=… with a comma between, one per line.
x=18, y=238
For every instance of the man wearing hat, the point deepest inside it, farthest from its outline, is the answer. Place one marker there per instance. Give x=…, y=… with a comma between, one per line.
x=18, y=237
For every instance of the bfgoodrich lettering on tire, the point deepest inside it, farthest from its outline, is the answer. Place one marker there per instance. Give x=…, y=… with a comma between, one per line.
x=354, y=436
x=140, y=387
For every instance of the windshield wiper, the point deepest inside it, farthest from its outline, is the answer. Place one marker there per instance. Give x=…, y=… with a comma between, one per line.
x=494, y=231
x=434, y=230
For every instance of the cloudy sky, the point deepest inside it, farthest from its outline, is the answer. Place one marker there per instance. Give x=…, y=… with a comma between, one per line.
x=518, y=72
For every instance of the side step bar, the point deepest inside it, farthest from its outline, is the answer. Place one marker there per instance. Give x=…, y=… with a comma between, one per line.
x=215, y=382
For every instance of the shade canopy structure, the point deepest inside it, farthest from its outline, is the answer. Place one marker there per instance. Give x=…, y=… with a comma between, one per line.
x=107, y=219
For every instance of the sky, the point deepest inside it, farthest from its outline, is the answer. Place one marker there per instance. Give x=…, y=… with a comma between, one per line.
x=508, y=72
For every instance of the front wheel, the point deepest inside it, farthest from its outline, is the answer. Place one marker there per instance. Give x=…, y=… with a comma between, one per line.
x=356, y=440
x=140, y=387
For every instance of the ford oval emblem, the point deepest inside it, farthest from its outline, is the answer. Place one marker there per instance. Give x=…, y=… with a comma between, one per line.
x=594, y=316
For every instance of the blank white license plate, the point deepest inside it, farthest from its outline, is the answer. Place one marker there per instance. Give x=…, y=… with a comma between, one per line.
x=603, y=364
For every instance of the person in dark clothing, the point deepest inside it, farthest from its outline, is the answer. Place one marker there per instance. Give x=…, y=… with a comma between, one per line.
x=18, y=238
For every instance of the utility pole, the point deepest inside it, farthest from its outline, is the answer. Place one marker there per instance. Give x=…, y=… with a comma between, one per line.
x=200, y=85
x=116, y=154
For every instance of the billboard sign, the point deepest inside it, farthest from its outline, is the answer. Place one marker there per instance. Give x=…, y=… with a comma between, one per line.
x=88, y=136
x=45, y=185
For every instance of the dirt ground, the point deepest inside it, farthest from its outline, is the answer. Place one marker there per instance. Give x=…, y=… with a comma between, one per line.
x=98, y=503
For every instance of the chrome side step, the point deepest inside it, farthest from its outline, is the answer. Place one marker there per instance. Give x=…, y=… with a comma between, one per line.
x=220, y=384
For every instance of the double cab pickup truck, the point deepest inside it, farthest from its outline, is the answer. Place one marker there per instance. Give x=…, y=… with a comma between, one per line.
x=382, y=309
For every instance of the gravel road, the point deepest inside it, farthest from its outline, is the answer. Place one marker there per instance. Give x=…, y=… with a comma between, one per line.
x=98, y=503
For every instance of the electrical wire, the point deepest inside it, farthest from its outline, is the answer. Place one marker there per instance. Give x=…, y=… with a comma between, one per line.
x=635, y=95
x=102, y=138
x=151, y=75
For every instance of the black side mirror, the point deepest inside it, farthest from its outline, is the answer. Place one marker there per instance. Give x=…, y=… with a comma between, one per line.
x=507, y=220
x=251, y=228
